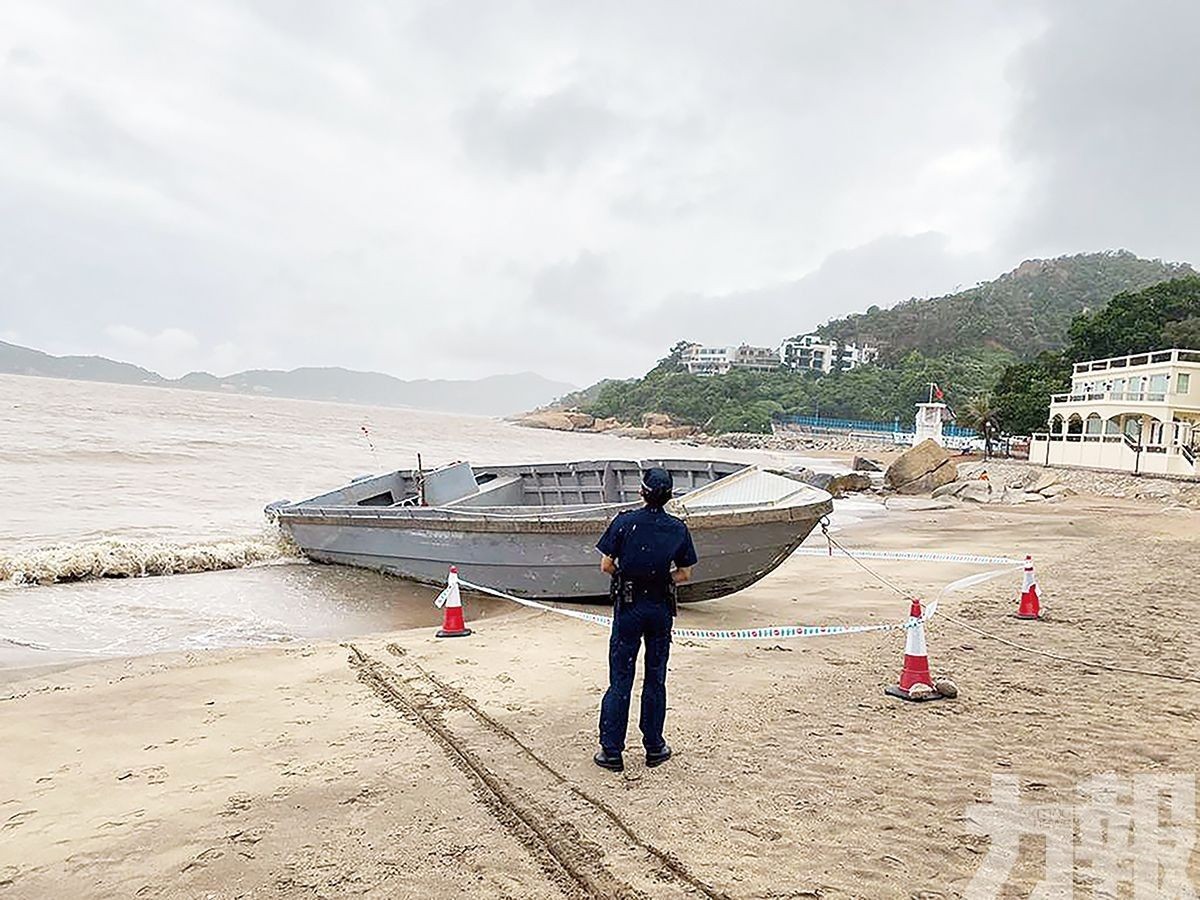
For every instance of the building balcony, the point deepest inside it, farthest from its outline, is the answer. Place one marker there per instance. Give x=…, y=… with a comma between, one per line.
x=1135, y=360
x=1111, y=397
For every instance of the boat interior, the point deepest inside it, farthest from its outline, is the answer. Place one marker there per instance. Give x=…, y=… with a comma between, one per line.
x=460, y=486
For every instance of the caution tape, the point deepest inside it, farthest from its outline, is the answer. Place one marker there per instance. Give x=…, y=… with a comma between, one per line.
x=800, y=631
x=719, y=634
x=913, y=556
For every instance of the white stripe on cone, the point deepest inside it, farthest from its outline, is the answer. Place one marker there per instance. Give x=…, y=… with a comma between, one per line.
x=1030, y=606
x=916, y=656
x=914, y=645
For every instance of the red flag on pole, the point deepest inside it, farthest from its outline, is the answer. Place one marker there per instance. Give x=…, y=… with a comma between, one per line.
x=937, y=392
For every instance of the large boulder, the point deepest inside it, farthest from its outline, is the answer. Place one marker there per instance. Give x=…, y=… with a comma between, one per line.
x=799, y=473
x=849, y=483
x=551, y=418
x=580, y=421
x=649, y=420
x=671, y=432
x=820, y=480
x=916, y=504
x=949, y=490
x=1056, y=490
x=1042, y=481
x=976, y=491
x=837, y=485
x=921, y=470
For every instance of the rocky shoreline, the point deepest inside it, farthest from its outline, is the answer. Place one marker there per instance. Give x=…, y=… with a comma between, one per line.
x=927, y=471
x=659, y=426
x=655, y=426
x=1009, y=481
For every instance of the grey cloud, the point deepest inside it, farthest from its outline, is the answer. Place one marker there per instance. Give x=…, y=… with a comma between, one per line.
x=561, y=185
x=847, y=280
x=581, y=286
x=22, y=57
x=1108, y=126
x=558, y=131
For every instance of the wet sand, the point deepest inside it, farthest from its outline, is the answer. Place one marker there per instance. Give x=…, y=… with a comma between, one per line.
x=399, y=765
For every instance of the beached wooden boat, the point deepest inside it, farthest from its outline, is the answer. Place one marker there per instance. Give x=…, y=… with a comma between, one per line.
x=531, y=530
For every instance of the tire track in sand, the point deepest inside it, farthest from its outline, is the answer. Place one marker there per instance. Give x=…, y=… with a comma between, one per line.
x=580, y=843
x=574, y=868
x=667, y=861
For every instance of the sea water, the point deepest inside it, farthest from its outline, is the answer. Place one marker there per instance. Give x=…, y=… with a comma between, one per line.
x=103, y=485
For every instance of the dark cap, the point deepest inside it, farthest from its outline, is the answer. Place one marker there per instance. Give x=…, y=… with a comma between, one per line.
x=656, y=479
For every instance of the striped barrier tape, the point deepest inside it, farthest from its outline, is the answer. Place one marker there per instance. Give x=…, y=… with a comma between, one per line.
x=913, y=556
x=708, y=634
x=795, y=631
x=717, y=634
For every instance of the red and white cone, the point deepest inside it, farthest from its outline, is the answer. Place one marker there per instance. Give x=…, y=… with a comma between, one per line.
x=450, y=600
x=915, y=681
x=1031, y=606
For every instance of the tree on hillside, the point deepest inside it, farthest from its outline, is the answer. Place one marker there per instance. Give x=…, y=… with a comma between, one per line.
x=673, y=361
x=1024, y=311
x=1184, y=334
x=1159, y=317
x=1137, y=322
x=1022, y=394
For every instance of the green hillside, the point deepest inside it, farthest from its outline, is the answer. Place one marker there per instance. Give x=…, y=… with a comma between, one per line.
x=998, y=349
x=1025, y=311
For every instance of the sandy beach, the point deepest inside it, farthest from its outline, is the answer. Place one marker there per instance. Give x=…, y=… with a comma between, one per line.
x=400, y=765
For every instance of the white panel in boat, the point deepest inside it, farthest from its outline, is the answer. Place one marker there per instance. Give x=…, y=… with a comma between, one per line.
x=750, y=487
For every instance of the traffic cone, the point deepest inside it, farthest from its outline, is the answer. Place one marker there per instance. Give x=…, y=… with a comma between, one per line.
x=450, y=600
x=1031, y=607
x=915, y=681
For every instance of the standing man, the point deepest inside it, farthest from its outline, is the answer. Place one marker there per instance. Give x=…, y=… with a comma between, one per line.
x=639, y=549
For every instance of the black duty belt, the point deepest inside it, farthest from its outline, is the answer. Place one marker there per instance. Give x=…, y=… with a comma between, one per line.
x=625, y=589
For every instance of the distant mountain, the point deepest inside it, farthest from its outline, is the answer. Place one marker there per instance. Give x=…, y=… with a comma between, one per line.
x=16, y=360
x=497, y=395
x=1025, y=311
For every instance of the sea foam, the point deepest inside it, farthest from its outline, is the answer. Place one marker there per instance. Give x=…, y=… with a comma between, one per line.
x=134, y=559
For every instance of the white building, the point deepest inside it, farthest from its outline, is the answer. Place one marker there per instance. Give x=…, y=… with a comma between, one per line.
x=812, y=353
x=1138, y=413
x=700, y=360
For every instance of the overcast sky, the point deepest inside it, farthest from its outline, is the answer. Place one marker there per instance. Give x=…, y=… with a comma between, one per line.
x=458, y=189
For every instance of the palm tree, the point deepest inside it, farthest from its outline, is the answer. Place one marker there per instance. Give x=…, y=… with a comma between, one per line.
x=980, y=414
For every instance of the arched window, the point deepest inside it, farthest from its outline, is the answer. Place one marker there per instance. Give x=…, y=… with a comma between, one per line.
x=1093, y=425
x=1112, y=426
x=1074, y=424
x=1056, y=425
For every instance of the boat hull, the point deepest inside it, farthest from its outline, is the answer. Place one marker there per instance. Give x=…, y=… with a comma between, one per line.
x=554, y=561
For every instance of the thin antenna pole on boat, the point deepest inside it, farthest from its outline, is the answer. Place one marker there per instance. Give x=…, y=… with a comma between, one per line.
x=370, y=443
x=420, y=481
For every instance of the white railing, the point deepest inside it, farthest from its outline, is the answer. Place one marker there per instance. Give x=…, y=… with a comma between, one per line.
x=1111, y=397
x=1158, y=357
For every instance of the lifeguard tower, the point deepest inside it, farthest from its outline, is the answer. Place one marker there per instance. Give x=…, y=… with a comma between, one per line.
x=930, y=417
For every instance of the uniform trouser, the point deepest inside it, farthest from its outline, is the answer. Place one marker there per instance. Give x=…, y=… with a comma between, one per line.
x=648, y=620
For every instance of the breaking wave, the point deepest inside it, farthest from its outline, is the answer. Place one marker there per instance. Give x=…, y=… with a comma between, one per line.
x=135, y=559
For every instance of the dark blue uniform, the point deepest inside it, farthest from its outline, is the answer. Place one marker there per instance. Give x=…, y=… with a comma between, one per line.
x=644, y=542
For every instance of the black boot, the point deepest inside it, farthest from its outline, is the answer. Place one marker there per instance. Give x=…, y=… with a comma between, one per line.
x=658, y=757
x=611, y=761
